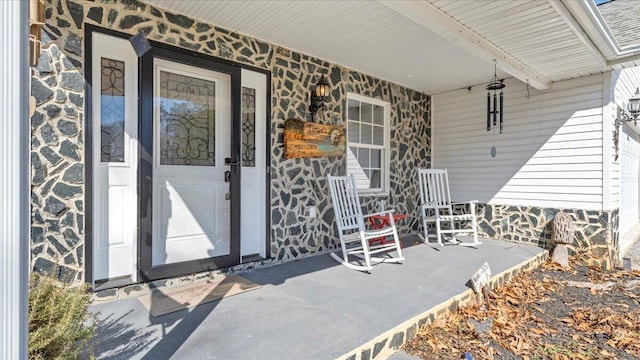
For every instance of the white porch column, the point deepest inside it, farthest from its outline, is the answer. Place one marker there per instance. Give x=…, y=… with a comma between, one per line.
x=14, y=178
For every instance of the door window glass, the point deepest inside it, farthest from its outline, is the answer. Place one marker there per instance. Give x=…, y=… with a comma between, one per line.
x=187, y=120
x=248, y=127
x=111, y=110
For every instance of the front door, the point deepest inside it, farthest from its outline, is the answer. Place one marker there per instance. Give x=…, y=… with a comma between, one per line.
x=191, y=213
x=191, y=180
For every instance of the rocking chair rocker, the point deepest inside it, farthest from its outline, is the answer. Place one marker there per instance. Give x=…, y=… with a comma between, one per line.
x=354, y=237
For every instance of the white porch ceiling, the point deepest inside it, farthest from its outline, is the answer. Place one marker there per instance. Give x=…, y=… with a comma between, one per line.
x=429, y=45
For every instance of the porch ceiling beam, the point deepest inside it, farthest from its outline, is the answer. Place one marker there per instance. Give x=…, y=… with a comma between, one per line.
x=431, y=18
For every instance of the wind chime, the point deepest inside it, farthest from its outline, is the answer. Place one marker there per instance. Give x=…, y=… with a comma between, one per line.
x=495, y=85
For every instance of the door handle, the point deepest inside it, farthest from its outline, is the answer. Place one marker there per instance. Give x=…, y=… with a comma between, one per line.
x=227, y=176
x=227, y=162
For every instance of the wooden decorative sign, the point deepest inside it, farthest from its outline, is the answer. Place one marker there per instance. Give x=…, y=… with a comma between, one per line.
x=304, y=139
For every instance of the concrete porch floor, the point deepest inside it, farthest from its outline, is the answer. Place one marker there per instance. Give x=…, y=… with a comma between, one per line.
x=308, y=309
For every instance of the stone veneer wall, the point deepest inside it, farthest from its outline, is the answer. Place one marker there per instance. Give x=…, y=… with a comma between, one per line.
x=595, y=231
x=58, y=213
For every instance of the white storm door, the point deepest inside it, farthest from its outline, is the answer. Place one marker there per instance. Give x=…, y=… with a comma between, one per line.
x=191, y=213
x=115, y=157
x=253, y=160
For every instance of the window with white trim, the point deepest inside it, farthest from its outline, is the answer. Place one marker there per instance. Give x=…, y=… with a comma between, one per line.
x=368, y=143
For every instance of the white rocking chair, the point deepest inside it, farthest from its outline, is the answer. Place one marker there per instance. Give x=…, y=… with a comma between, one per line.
x=355, y=238
x=436, y=206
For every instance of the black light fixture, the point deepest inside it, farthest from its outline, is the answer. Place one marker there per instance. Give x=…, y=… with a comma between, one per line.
x=495, y=85
x=319, y=94
x=633, y=108
x=633, y=114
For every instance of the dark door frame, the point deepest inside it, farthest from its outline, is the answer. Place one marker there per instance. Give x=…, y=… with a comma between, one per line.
x=145, y=152
x=147, y=270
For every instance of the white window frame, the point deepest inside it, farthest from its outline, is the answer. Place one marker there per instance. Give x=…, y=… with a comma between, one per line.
x=383, y=190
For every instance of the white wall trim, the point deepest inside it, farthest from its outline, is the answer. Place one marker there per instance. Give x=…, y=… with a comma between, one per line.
x=14, y=182
x=607, y=142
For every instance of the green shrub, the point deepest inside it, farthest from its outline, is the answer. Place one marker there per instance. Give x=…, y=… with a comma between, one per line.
x=60, y=326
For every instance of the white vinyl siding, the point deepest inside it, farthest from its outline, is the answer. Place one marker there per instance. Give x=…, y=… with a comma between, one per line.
x=550, y=154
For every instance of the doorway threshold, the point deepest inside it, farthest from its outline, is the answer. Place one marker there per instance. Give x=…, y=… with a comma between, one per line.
x=252, y=258
x=116, y=282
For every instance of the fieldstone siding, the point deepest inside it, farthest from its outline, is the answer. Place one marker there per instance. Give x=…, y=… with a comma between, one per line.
x=596, y=232
x=58, y=162
x=57, y=168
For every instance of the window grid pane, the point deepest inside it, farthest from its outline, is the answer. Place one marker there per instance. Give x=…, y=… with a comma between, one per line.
x=366, y=134
x=378, y=135
x=378, y=115
x=353, y=131
x=367, y=113
x=354, y=110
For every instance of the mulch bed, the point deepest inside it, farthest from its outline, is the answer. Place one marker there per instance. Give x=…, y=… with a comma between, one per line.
x=577, y=312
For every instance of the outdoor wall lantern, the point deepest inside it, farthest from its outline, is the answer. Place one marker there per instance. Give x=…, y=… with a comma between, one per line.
x=495, y=85
x=319, y=95
x=633, y=108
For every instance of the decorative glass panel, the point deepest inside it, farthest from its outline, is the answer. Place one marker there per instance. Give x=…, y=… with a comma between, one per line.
x=248, y=127
x=111, y=110
x=187, y=120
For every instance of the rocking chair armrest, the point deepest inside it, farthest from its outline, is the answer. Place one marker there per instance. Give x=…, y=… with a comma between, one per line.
x=465, y=202
x=472, y=204
x=380, y=213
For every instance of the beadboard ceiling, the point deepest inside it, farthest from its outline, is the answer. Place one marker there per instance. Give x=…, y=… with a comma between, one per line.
x=429, y=45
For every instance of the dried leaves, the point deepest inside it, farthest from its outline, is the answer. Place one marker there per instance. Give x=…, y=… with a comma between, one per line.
x=550, y=313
